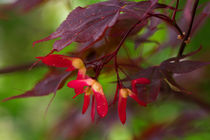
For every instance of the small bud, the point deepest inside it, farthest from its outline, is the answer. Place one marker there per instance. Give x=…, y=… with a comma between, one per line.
x=187, y=41
x=180, y=37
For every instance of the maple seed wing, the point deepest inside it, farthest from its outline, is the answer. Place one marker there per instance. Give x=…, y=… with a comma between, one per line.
x=86, y=103
x=122, y=109
x=93, y=109
x=101, y=103
x=77, y=83
x=56, y=60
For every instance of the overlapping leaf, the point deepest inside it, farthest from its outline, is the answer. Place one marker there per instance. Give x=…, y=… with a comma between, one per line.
x=84, y=24
x=164, y=73
x=111, y=38
x=90, y=23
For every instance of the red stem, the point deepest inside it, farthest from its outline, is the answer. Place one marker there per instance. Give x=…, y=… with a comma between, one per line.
x=174, y=14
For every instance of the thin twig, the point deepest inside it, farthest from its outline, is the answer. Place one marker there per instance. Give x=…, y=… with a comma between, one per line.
x=174, y=13
x=186, y=37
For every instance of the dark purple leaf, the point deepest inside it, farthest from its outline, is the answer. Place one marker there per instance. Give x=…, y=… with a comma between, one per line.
x=168, y=78
x=52, y=81
x=113, y=35
x=85, y=24
x=183, y=66
x=90, y=23
x=164, y=73
x=139, y=9
x=25, y=5
x=149, y=93
x=152, y=73
x=142, y=7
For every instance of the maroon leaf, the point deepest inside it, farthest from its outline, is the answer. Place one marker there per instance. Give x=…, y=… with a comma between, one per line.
x=164, y=73
x=111, y=37
x=172, y=66
x=52, y=81
x=25, y=5
x=85, y=24
x=140, y=8
x=150, y=93
x=123, y=24
x=152, y=73
x=90, y=23
x=183, y=66
x=168, y=78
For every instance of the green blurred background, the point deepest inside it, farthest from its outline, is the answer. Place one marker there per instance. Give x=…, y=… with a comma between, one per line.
x=23, y=119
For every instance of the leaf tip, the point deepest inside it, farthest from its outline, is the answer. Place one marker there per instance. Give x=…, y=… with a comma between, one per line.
x=7, y=99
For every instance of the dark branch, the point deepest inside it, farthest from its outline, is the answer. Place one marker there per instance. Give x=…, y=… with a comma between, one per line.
x=186, y=37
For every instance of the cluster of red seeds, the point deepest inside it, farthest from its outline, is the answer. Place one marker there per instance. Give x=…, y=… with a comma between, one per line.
x=93, y=87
